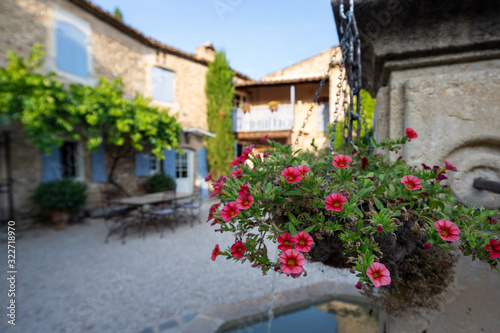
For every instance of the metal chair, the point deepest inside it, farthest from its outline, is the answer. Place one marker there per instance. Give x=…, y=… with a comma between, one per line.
x=162, y=215
x=191, y=207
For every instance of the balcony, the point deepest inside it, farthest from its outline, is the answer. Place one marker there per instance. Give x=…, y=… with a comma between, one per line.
x=260, y=119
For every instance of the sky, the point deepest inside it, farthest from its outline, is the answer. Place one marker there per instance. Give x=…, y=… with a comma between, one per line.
x=258, y=36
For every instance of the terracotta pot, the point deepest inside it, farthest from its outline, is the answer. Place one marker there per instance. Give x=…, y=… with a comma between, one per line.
x=60, y=219
x=273, y=108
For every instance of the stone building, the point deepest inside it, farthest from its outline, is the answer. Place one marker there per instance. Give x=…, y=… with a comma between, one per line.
x=293, y=88
x=82, y=42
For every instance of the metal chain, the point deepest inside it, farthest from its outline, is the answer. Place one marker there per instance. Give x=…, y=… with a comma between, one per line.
x=336, y=112
x=316, y=97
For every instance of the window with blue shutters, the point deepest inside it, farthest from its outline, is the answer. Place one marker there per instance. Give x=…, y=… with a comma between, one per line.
x=163, y=84
x=51, y=165
x=169, y=162
x=71, y=49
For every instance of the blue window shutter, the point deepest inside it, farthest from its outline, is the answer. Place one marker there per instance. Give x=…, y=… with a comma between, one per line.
x=51, y=165
x=71, y=49
x=163, y=84
x=98, y=164
x=169, y=166
x=323, y=116
x=142, y=165
x=201, y=157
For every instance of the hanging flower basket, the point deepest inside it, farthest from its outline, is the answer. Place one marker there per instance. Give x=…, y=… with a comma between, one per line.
x=391, y=224
x=245, y=107
x=273, y=105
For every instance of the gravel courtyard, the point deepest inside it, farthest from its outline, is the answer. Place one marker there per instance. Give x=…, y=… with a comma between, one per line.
x=71, y=281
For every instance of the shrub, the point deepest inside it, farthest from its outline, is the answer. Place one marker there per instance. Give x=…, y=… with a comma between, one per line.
x=60, y=195
x=159, y=183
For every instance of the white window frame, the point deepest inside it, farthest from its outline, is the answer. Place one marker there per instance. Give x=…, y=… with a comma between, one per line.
x=241, y=97
x=157, y=163
x=83, y=26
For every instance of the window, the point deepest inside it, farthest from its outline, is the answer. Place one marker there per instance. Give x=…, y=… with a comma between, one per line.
x=154, y=164
x=163, y=84
x=181, y=165
x=72, y=160
x=238, y=100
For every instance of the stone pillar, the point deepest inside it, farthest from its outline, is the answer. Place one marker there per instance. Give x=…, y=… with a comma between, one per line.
x=434, y=66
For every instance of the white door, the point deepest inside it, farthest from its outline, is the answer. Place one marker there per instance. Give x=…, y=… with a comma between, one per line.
x=184, y=171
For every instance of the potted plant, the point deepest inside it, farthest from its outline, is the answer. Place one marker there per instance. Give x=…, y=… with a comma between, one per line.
x=273, y=105
x=245, y=107
x=391, y=224
x=60, y=198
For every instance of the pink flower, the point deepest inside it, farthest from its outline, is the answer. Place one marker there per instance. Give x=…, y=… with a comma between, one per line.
x=229, y=211
x=449, y=166
x=341, y=161
x=411, y=134
x=244, y=201
x=371, y=178
x=286, y=241
x=214, y=222
x=264, y=139
x=427, y=246
x=235, y=162
x=334, y=202
x=209, y=177
x=266, y=154
x=412, y=183
x=237, y=173
x=303, y=241
x=244, y=189
x=291, y=174
x=303, y=169
x=379, y=228
x=359, y=285
x=441, y=177
x=426, y=167
x=364, y=163
x=293, y=275
x=447, y=230
x=493, y=247
x=218, y=186
x=379, y=274
x=491, y=220
x=215, y=252
x=426, y=194
x=247, y=151
x=237, y=249
x=212, y=210
x=292, y=261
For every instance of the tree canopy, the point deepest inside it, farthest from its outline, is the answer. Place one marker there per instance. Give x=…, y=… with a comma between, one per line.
x=219, y=89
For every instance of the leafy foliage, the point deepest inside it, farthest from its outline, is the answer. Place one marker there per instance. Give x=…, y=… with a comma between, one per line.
x=159, y=183
x=60, y=195
x=50, y=113
x=220, y=91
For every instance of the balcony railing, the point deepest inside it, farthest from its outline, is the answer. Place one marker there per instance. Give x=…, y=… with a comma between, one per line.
x=260, y=118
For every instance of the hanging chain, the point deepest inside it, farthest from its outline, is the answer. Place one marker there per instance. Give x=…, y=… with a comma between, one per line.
x=316, y=96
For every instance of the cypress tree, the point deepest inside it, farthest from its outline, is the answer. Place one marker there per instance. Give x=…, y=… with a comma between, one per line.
x=219, y=90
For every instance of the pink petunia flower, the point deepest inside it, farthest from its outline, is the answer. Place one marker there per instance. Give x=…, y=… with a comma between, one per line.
x=214, y=222
x=218, y=186
x=427, y=246
x=246, y=152
x=341, y=161
x=412, y=183
x=209, y=177
x=303, y=241
x=286, y=241
x=379, y=274
x=426, y=167
x=292, y=261
x=441, y=177
x=229, y=211
x=364, y=163
x=244, y=189
x=235, y=162
x=493, y=247
x=212, y=210
x=379, y=228
x=359, y=285
x=447, y=230
x=237, y=249
x=449, y=166
x=491, y=220
x=215, y=252
x=411, y=134
x=291, y=174
x=335, y=202
x=244, y=201
x=237, y=173
x=303, y=169
x=264, y=139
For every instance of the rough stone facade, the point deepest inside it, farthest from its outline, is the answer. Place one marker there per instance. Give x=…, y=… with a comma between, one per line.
x=115, y=50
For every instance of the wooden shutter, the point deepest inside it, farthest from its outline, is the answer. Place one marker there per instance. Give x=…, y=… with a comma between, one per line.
x=98, y=165
x=71, y=49
x=142, y=165
x=163, y=84
x=51, y=165
x=169, y=165
x=201, y=157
